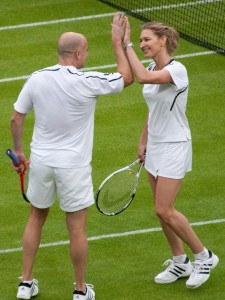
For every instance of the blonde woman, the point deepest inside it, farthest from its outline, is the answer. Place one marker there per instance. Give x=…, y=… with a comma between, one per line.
x=165, y=146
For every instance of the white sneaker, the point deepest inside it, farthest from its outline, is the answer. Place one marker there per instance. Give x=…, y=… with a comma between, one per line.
x=201, y=271
x=174, y=271
x=89, y=295
x=26, y=290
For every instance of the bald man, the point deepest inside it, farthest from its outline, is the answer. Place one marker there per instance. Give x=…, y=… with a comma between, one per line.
x=63, y=99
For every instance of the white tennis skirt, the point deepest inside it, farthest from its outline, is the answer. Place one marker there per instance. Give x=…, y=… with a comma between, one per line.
x=171, y=160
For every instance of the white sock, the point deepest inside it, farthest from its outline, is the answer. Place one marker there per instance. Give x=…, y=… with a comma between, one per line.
x=28, y=281
x=202, y=255
x=180, y=259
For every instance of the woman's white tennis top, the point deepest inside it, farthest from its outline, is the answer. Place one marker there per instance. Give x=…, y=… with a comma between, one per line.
x=167, y=106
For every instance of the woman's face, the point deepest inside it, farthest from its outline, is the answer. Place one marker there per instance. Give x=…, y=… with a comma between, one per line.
x=150, y=43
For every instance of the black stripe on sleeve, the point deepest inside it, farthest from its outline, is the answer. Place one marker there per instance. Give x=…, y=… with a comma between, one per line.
x=115, y=79
x=94, y=76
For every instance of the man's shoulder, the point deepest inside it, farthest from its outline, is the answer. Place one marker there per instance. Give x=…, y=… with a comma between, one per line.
x=47, y=69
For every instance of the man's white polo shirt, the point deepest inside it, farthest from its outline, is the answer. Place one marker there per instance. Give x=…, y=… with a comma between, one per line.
x=64, y=100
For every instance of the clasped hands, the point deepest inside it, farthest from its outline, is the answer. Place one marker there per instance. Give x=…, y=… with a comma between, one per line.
x=120, y=29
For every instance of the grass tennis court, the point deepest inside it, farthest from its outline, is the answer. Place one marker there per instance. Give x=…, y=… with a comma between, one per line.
x=126, y=251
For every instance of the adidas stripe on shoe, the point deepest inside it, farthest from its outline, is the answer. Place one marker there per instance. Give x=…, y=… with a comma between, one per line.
x=26, y=290
x=174, y=271
x=201, y=271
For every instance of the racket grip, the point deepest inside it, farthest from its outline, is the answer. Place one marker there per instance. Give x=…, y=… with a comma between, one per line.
x=13, y=156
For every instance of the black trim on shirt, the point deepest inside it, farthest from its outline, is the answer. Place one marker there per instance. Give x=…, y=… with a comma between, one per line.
x=176, y=97
x=92, y=76
x=43, y=70
x=115, y=79
x=81, y=74
x=150, y=67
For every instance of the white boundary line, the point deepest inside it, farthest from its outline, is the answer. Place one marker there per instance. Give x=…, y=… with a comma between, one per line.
x=24, y=77
x=175, y=5
x=57, y=21
x=113, y=235
x=107, y=14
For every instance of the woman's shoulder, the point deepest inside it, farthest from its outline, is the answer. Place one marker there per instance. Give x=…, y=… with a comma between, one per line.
x=177, y=67
x=177, y=64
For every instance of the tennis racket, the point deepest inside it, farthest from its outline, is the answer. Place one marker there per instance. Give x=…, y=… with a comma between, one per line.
x=117, y=191
x=17, y=162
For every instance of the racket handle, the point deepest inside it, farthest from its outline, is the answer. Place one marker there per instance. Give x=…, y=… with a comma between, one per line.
x=13, y=156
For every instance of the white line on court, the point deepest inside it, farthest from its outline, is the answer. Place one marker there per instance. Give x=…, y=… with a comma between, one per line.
x=24, y=77
x=56, y=21
x=112, y=235
x=163, y=7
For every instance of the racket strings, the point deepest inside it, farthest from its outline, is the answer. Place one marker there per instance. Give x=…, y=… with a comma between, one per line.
x=117, y=192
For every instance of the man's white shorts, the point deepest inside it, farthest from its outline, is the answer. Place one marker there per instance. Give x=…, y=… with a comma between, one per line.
x=73, y=186
x=171, y=160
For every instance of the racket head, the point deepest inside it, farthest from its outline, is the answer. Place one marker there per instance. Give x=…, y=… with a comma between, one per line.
x=117, y=191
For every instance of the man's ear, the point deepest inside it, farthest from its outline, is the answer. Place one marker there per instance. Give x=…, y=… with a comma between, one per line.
x=77, y=53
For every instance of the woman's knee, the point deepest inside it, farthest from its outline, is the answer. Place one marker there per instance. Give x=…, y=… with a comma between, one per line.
x=164, y=215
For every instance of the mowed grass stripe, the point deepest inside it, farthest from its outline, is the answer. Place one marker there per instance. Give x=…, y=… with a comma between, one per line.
x=57, y=21
x=161, y=7
x=113, y=235
x=23, y=77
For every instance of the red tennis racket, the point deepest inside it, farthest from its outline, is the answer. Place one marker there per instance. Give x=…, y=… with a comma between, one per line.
x=17, y=162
